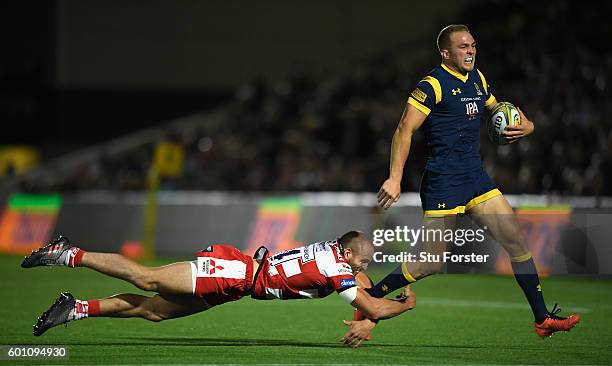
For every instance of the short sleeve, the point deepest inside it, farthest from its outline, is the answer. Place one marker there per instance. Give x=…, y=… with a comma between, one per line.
x=338, y=272
x=423, y=97
x=342, y=282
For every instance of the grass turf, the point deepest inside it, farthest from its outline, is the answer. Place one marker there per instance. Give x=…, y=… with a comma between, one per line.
x=460, y=319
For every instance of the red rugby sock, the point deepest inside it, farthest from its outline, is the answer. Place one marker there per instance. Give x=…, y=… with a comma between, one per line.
x=94, y=308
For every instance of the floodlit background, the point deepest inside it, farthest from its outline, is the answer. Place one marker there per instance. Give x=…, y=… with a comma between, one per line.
x=155, y=128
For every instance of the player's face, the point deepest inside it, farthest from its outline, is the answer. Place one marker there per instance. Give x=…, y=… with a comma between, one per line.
x=462, y=52
x=359, y=260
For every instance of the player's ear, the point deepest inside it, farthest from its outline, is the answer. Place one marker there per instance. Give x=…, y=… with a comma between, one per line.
x=348, y=253
x=445, y=54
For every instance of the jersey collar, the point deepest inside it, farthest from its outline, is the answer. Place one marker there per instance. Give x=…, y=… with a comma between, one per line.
x=456, y=74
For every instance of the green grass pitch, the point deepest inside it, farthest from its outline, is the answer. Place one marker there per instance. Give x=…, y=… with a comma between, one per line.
x=459, y=319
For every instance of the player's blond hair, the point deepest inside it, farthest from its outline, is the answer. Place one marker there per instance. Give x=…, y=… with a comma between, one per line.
x=444, y=40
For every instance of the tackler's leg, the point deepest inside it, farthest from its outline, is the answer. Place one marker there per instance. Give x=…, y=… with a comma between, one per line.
x=157, y=308
x=170, y=279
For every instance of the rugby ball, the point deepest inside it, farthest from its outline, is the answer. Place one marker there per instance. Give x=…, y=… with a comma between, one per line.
x=503, y=114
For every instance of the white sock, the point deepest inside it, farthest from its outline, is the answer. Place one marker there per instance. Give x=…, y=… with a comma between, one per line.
x=67, y=258
x=79, y=311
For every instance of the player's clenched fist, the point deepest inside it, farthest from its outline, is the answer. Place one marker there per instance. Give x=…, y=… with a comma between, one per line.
x=409, y=296
x=389, y=193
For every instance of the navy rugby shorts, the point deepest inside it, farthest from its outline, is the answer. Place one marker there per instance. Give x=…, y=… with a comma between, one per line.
x=455, y=193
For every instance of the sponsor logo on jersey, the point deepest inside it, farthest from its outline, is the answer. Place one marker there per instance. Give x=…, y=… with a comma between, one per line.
x=209, y=267
x=309, y=254
x=344, y=268
x=347, y=283
x=456, y=91
x=323, y=246
x=471, y=109
x=217, y=267
x=419, y=95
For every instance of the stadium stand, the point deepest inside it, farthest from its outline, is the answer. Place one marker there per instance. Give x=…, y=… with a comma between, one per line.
x=333, y=134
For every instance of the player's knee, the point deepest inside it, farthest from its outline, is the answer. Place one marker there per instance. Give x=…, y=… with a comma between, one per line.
x=146, y=281
x=145, y=284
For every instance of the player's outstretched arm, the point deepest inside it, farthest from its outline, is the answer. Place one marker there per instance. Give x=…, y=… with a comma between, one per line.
x=361, y=329
x=375, y=309
x=411, y=120
x=515, y=133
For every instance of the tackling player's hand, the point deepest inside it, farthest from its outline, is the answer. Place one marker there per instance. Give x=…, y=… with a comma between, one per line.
x=407, y=297
x=515, y=133
x=389, y=193
x=360, y=329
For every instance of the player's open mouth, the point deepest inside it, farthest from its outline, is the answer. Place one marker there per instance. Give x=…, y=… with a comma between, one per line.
x=469, y=60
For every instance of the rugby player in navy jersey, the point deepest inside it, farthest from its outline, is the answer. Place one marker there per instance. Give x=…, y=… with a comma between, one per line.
x=448, y=104
x=220, y=273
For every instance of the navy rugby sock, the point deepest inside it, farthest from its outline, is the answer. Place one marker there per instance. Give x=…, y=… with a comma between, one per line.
x=398, y=278
x=527, y=277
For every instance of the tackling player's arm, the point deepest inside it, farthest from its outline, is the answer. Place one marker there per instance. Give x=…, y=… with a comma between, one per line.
x=411, y=120
x=361, y=329
x=375, y=308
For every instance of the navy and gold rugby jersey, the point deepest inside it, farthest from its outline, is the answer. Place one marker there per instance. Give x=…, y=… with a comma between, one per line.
x=453, y=104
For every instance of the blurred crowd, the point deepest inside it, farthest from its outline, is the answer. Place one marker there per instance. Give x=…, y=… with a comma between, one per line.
x=334, y=133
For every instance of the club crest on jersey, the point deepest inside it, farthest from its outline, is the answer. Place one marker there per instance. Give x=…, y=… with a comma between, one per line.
x=478, y=92
x=456, y=91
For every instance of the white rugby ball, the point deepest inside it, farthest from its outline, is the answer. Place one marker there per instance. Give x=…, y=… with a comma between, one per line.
x=503, y=114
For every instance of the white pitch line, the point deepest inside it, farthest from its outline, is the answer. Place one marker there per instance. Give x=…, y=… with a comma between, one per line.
x=489, y=304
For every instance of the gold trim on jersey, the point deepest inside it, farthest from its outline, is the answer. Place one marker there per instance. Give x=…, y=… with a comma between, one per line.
x=456, y=74
x=484, y=82
x=419, y=106
x=491, y=101
x=435, y=84
x=483, y=197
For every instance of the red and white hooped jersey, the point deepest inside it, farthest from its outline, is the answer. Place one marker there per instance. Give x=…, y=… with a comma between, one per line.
x=313, y=271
